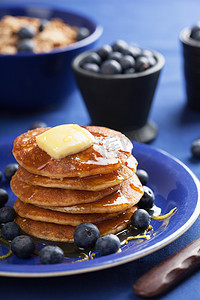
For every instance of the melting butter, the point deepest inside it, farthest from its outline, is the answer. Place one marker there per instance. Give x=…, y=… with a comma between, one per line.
x=64, y=140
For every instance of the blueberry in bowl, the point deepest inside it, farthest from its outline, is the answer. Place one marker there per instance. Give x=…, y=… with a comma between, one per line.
x=117, y=83
x=190, y=44
x=36, y=71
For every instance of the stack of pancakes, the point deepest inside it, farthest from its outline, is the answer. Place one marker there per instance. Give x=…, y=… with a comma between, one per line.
x=97, y=185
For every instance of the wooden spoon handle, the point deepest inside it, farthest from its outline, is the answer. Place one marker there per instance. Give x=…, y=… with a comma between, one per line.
x=169, y=272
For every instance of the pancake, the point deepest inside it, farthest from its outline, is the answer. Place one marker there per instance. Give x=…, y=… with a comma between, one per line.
x=128, y=195
x=91, y=183
x=36, y=213
x=64, y=233
x=110, y=150
x=53, y=196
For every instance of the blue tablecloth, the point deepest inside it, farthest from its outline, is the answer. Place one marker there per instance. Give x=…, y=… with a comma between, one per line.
x=155, y=25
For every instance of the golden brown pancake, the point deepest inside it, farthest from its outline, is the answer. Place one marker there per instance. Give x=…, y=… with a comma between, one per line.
x=128, y=195
x=45, y=196
x=64, y=233
x=91, y=183
x=36, y=213
x=110, y=150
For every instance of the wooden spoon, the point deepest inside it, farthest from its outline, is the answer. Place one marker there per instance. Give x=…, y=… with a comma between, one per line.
x=170, y=272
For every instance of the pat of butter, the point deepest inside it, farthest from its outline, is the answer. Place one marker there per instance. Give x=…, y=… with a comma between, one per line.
x=64, y=140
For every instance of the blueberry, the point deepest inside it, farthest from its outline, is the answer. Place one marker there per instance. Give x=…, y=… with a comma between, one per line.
x=25, y=45
x=82, y=33
x=27, y=32
x=104, y=51
x=196, y=35
x=148, y=198
x=51, y=255
x=115, y=55
x=142, y=64
x=133, y=51
x=91, y=67
x=3, y=197
x=147, y=53
x=10, y=230
x=43, y=24
x=127, y=62
x=152, y=61
x=195, y=148
x=7, y=214
x=0, y=177
x=129, y=71
x=22, y=246
x=195, y=32
x=93, y=58
x=140, y=219
x=38, y=124
x=143, y=176
x=85, y=235
x=10, y=170
x=107, y=244
x=120, y=46
x=111, y=67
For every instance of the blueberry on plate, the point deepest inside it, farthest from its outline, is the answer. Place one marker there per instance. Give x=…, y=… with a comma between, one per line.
x=85, y=235
x=43, y=24
x=51, y=255
x=3, y=197
x=107, y=244
x=127, y=62
x=143, y=176
x=120, y=46
x=111, y=67
x=195, y=148
x=140, y=219
x=38, y=124
x=93, y=58
x=104, y=51
x=10, y=230
x=91, y=67
x=22, y=246
x=142, y=64
x=26, y=45
x=148, y=199
x=10, y=170
x=7, y=214
x=82, y=33
x=27, y=32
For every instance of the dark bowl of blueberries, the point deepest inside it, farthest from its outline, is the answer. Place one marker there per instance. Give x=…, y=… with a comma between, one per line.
x=190, y=41
x=117, y=83
x=41, y=80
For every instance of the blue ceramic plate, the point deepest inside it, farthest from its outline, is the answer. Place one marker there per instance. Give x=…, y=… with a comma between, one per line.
x=174, y=185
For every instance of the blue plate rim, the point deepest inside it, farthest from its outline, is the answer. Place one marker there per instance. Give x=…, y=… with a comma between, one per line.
x=113, y=259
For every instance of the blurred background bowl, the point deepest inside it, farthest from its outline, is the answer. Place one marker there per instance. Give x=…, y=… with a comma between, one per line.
x=121, y=101
x=37, y=81
x=191, y=68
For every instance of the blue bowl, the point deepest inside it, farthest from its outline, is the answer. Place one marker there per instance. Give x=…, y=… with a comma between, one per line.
x=37, y=81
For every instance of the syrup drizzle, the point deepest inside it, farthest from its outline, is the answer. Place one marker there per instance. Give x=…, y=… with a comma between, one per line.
x=72, y=251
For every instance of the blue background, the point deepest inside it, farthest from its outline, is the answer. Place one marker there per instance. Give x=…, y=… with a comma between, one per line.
x=155, y=25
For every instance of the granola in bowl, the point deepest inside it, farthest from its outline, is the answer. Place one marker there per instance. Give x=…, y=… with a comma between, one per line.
x=26, y=34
